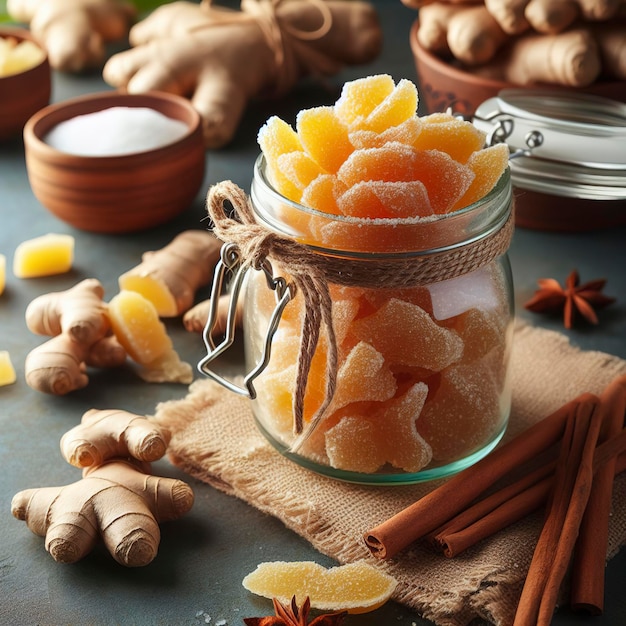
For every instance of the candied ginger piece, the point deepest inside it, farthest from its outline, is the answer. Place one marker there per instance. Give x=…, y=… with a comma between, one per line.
x=276, y=137
x=324, y=137
x=375, y=199
x=354, y=587
x=392, y=162
x=299, y=168
x=397, y=107
x=363, y=376
x=445, y=180
x=361, y=96
x=321, y=194
x=488, y=166
x=365, y=443
x=7, y=371
x=407, y=132
x=480, y=330
x=46, y=255
x=454, y=136
x=464, y=412
x=406, y=335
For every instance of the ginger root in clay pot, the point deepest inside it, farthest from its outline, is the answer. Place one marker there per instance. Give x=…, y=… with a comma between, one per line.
x=571, y=43
x=221, y=59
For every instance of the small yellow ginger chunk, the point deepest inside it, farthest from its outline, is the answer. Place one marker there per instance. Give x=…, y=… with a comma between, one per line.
x=44, y=256
x=136, y=324
x=7, y=371
x=17, y=57
x=3, y=273
x=355, y=587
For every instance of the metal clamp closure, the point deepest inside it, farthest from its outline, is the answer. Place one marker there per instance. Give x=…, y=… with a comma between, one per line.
x=230, y=261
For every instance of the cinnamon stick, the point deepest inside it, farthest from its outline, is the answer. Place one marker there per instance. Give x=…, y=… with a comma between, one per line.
x=587, y=582
x=570, y=493
x=494, y=512
x=431, y=511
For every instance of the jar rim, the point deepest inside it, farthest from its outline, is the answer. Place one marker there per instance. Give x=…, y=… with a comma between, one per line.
x=439, y=232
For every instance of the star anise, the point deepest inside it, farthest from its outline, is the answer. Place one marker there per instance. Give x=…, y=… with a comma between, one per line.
x=293, y=615
x=573, y=299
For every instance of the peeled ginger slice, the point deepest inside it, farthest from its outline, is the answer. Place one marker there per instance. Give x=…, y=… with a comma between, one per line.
x=354, y=587
x=397, y=107
x=7, y=371
x=44, y=256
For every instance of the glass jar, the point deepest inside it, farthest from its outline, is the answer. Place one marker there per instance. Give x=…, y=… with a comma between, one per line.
x=417, y=355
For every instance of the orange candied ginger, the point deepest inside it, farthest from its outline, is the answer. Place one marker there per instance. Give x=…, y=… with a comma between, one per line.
x=374, y=135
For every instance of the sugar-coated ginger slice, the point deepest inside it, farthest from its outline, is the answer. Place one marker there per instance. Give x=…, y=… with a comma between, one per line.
x=276, y=137
x=363, y=376
x=464, y=413
x=355, y=587
x=407, y=132
x=324, y=137
x=299, y=168
x=361, y=96
x=321, y=194
x=406, y=335
x=7, y=371
x=44, y=256
x=488, y=166
x=376, y=199
x=445, y=180
x=365, y=443
x=398, y=106
x=454, y=136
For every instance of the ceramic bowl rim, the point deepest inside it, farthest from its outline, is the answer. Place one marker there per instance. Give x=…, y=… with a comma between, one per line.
x=23, y=34
x=33, y=135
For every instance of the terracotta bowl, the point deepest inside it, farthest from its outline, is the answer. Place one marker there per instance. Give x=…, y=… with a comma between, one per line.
x=443, y=85
x=116, y=194
x=22, y=94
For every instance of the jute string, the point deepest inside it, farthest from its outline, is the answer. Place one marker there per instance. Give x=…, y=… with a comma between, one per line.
x=289, y=45
x=312, y=272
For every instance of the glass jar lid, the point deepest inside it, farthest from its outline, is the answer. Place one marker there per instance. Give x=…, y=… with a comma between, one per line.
x=564, y=144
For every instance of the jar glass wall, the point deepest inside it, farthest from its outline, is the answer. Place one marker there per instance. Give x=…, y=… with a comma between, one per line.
x=422, y=384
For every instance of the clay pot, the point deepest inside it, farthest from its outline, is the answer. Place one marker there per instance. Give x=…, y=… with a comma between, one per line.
x=22, y=94
x=116, y=194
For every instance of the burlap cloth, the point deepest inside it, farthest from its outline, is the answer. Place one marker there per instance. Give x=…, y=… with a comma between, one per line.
x=216, y=440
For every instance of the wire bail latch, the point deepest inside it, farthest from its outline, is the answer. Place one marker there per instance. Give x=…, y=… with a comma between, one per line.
x=230, y=261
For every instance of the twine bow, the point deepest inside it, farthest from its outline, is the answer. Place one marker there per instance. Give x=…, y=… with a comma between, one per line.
x=256, y=244
x=288, y=44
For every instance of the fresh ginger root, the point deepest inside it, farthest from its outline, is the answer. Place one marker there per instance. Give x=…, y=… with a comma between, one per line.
x=59, y=365
x=116, y=501
x=105, y=434
x=81, y=336
x=221, y=59
x=196, y=318
x=570, y=58
x=74, y=32
x=170, y=277
x=470, y=33
x=79, y=311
